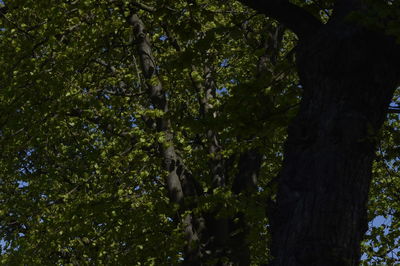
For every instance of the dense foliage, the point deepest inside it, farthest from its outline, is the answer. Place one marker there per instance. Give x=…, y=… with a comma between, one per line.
x=93, y=131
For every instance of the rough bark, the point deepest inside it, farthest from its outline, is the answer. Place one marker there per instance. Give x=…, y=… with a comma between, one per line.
x=349, y=75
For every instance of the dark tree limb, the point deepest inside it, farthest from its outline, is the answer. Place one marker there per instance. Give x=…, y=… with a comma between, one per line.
x=343, y=8
x=349, y=75
x=394, y=110
x=293, y=17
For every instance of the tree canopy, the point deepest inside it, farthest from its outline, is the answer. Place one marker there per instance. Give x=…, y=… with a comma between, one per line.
x=152, y=132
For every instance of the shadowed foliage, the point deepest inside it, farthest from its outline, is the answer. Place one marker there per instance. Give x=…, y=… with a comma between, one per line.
x=152, y=132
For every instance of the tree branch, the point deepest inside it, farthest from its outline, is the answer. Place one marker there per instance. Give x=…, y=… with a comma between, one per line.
x=394, y=110
x=143, y=7
x=294, y=17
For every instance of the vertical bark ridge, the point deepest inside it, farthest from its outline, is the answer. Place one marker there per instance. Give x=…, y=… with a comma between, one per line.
x=349, y=77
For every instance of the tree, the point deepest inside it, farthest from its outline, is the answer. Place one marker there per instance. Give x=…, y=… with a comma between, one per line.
x=152, y=132
x=349, y=73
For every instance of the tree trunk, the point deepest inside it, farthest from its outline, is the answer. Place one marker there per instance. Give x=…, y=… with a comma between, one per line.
x=348, y=75
x=180, y=183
